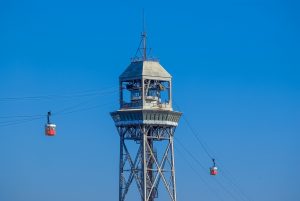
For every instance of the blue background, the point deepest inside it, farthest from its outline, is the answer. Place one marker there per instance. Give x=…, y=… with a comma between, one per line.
x=235, y=67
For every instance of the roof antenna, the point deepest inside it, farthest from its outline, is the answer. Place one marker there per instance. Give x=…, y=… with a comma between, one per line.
x=141, y=52
x=144, y=38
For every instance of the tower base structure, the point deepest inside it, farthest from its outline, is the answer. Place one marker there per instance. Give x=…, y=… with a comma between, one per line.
x=147, y=167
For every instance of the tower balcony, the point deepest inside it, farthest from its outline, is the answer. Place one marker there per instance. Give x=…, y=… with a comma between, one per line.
x=148, y=117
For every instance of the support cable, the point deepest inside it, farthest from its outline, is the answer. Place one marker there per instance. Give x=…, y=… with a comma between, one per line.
x=238, y=189
x=226, y=174
x=205, y=148
x=204, y=169
x=79, y=94
x=198, y=138
x=15, y=120
x=213, y=191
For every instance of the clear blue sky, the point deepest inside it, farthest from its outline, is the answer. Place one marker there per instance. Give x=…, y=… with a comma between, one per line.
x=235, y=67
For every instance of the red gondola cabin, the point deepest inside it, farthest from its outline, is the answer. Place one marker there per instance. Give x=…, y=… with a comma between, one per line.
x=213, y=170
x=50, y=129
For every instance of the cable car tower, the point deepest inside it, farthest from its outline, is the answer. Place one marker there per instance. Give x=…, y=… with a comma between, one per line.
x=146, y=117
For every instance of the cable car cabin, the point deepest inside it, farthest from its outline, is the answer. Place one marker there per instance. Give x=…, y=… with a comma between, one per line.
x=50, y=129
x=213, y=170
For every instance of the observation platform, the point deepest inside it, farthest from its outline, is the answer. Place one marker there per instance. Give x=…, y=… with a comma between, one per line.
x=148, y=117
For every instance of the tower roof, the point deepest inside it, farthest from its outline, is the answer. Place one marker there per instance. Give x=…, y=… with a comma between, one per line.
x=146, y=68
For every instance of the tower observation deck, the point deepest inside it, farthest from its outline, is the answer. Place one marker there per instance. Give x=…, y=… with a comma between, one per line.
x=146, y=117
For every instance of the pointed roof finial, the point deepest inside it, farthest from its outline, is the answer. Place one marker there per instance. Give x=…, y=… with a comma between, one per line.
x=144, y=25
x=144, y=38
x=141, y=52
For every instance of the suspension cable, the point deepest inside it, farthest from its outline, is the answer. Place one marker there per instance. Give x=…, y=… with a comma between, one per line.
x=204, y=169
x=205, y=148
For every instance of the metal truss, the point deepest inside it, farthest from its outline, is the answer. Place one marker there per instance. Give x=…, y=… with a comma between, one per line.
x=146, y=167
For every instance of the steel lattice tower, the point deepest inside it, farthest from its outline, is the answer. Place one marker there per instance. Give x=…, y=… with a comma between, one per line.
x=146, y=117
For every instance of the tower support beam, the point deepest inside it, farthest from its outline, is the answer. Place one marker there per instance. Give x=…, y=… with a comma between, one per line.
x=147, y=168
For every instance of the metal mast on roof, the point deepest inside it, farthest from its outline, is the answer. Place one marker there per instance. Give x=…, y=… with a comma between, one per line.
x=144, y=38
x=141, y=52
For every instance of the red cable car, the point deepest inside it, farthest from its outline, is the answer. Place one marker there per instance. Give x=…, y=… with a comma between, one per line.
x=50, y=129
x=213, y=169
